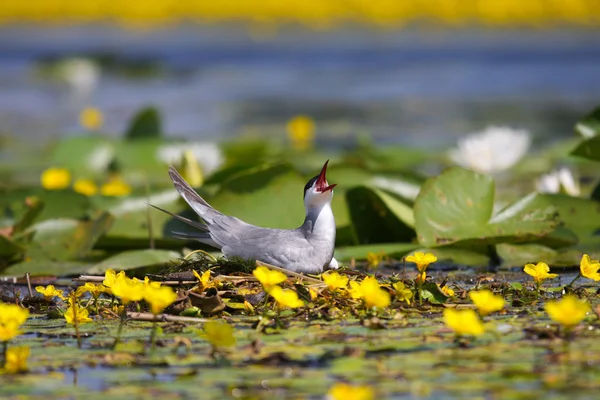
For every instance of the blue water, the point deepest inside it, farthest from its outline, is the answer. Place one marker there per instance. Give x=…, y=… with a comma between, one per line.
x=414, y=87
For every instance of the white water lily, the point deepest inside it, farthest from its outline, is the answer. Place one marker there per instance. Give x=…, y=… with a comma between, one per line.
x=81, y=74
x=495, y=149
x=554, y=181
x=209, y=155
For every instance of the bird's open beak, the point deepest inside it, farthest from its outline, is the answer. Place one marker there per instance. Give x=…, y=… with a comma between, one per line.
x=322, y=185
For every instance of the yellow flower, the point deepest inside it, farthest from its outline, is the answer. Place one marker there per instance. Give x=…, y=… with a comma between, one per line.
x=344, y=391
x=92, y=288
x=486, y=301
x=374, y=259
x=568, y=311
x=90, y=118
x=148, y=283
x=248, y=307
x=16, y=359
x=110, y=277
x=447, y=291
x=78, y=314
x=204, y=279
x=539, y=272
x=402, y=293
x=285, y=298
x=463, y=322
x=301, y=132
x=373, y=294
x=589, y=268
x=12, y=317
x=49, y=292
x=335, y=281
x=115, y=187
x=56, y=178
x=422, y=260
x=219, y=334
x=127, y=290
x=159, y=298
x=86, y=187
x=355, y=290
x=313, y=294
x=268, y=277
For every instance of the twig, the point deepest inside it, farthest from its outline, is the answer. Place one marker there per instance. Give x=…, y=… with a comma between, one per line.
x=29, y=284
x=142, y=316
x=289, y=273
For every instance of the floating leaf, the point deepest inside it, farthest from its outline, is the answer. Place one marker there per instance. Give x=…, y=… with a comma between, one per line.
x=458, y=206
x=378, y=217
x=589, y=126
x=133, y=259
x=57, y=203
x=589, y=148
x=432, y=293
x=85, y=156
x=145, y=124
x=41, y=267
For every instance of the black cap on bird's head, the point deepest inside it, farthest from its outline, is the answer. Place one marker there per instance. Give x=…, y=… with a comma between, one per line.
x=319, y=182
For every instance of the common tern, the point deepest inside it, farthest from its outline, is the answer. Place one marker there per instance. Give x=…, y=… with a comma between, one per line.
x=307, y=249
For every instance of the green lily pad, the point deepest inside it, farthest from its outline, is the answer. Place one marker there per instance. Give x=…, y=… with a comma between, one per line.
x=133, y=259
x=379, y=217
x=458, y=206
x=57, y=203
x=86, y=156
x=581, y=216
x=589, y=148
x=66, y=239
x=146, y=124
x=589, y=126
x=41, y=267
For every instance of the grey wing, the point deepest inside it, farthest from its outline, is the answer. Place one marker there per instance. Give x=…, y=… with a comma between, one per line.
x=275, y=246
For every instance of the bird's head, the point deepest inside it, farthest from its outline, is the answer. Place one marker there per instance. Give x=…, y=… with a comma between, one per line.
x=317, y=192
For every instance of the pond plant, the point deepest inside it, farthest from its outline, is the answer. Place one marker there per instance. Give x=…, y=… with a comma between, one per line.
x=436, y=286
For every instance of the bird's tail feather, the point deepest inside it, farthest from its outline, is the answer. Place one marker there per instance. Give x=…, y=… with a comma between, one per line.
x=198, y=204
x=198, y=225
x=202, y=237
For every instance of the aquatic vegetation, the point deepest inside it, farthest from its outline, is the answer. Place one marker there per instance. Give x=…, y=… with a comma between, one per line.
x=219, y=334
x=115, y=186
x=16, y=360
x=204, y=279
x=12, y=317
x=568, y=311
x=402, y=292
x=493, y=150
x=335, y=281
x=55, y=178
x=344, y=391
x=557, y=181
x=91, y=118
x=371, y=293
x=301, y=132
x=486, y=301
x=76, y=314
x=86, y=187
x=49, y=292
x=422, y=260
x=285, y=298
x=159, y=297
x=589, y=268
x=463, y=322
x=539, y=272
x=269, y=278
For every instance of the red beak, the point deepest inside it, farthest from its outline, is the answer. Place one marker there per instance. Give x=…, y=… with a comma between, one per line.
x=321, y=184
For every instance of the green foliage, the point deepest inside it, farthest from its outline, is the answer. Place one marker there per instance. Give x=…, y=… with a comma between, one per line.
x=458, y=205
x=146, y=124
